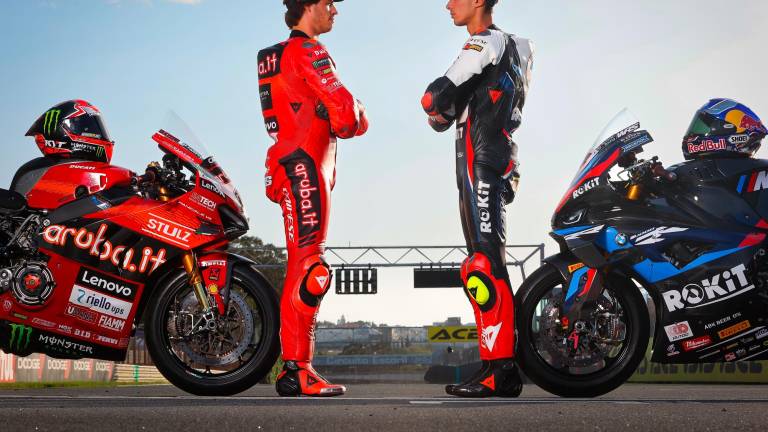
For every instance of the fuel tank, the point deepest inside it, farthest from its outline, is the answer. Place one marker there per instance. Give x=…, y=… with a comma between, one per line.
x=731, y=190
x=48, y=183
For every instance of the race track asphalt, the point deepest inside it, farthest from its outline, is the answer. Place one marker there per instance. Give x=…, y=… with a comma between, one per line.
x=374, y=407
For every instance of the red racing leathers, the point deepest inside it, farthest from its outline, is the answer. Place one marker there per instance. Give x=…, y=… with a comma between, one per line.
x=484, y=92
x=305, y=108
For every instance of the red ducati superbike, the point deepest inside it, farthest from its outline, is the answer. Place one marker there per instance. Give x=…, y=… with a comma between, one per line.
x=89, y=250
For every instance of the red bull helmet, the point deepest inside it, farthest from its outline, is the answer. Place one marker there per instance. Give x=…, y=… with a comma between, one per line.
x=723, y=128
x=73, y=129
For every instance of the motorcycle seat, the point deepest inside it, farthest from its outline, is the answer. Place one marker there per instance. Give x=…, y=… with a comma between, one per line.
x=11, y=202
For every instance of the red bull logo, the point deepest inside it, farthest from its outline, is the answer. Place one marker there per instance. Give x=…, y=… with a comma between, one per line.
x=707, y=145
x=750, y=124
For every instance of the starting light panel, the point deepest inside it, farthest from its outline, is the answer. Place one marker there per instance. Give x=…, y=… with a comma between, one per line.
x=356, y=281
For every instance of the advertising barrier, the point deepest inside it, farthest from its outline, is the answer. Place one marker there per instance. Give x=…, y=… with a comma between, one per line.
x=41, y=368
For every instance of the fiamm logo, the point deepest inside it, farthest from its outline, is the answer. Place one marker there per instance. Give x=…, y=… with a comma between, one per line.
x=20, y=337
x=51, y=121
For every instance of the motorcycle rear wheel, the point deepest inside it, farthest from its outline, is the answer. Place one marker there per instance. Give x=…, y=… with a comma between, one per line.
x=536, y=344
x=223, y=362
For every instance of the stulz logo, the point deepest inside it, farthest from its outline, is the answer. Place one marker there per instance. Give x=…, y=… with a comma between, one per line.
x=678, y=331
x=730, y=283
x=97, y=245
x=586, y=186
x=106, y=284
x=168, y=230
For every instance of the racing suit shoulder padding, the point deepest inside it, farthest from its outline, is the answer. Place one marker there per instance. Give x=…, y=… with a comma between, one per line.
x=312, y=62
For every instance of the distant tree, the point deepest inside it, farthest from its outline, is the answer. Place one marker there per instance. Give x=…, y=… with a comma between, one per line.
x=255, y=249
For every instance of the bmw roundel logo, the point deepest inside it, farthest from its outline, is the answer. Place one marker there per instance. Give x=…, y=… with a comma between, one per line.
x=621, y=239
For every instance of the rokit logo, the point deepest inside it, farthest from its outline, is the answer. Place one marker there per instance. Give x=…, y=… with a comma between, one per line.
x=720, y=287
x=483, y=198
x=586, y=186
x=106, y=284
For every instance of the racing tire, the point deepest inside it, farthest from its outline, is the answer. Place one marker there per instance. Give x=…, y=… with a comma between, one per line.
x=174, y=369
x=564, y=383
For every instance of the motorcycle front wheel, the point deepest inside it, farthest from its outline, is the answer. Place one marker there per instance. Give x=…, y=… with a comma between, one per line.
x=225, y=360
x=606, y=350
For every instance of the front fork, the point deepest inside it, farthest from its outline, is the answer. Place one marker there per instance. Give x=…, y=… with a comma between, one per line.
x=584, y=286
x=208, y=321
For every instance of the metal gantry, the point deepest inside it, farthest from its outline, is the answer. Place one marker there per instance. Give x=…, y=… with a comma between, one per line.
x=416, y=256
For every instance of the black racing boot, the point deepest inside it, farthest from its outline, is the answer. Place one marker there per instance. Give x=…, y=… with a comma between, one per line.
x=496, y=378
x=301, y=379
x=472, y=378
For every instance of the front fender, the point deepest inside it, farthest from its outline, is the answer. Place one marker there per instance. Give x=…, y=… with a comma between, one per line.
x=582, y=285
x=217, y=268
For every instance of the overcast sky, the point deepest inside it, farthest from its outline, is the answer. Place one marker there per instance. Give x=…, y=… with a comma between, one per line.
x=136, y=59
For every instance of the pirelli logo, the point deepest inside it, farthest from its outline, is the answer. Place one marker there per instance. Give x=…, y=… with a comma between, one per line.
x=734, y=329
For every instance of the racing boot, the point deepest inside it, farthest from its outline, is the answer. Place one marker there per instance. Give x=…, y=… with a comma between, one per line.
x=300, y=379
x=496, y=378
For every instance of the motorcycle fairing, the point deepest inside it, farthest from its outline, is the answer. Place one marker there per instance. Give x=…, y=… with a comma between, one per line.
x=22, y=340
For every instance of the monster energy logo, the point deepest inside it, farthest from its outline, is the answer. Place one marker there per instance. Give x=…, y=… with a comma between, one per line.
x=18, y=332
x=51, y=121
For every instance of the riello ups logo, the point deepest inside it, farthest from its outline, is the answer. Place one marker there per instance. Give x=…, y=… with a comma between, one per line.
x=715, y=289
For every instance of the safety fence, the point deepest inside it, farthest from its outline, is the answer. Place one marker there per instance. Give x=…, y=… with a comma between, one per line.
x=41, y=368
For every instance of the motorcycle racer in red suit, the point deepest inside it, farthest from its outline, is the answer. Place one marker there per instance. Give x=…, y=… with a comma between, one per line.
x=483, y=92
x=305, y=107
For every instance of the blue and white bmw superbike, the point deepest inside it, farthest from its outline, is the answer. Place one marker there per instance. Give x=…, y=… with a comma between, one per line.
x=693, y=236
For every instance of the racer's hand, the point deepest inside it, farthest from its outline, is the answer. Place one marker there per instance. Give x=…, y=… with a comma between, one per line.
x=362, y=124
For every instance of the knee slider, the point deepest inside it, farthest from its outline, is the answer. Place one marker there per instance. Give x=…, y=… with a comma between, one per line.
x=316, y=281
x=479, y=284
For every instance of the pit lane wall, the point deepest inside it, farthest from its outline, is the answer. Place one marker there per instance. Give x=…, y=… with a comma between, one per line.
x=38, y=368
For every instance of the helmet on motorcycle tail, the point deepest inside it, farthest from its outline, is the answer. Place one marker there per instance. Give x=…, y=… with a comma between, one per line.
x=73, y=129
x=723, y=128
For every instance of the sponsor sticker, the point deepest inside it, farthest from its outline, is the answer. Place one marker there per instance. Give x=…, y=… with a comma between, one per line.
x=762, y=333
x=80, y=313
x=43, y=323
x=699, y=342
x=110, y=323
x=734, y=329
x=99, y=302
x=678, y=331
x=573, y=267
x=106, y=284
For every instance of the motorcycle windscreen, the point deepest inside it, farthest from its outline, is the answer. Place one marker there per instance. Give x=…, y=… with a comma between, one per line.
x=622, y=135
x=176, y=137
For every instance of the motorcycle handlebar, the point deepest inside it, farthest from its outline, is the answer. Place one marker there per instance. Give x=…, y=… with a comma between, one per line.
x=659, y=171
